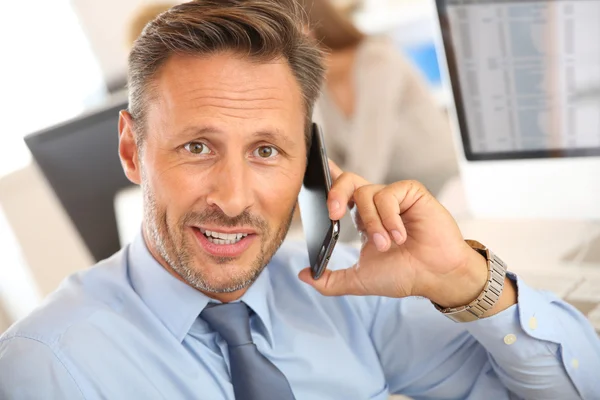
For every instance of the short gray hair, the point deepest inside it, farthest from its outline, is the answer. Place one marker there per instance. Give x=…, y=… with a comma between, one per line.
x=262, y=30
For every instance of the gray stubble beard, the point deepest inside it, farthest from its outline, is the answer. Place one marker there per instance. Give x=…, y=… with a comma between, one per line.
x=180, y=260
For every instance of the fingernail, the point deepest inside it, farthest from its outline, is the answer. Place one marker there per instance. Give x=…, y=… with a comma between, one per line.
x=397, y=236
x=335, y=205
x=302, y=276
x=379, y=241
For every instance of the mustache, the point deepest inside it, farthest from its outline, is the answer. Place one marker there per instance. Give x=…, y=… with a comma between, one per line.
x=217, y=217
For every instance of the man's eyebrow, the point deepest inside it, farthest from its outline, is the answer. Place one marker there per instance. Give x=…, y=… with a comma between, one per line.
x=195, y=131
x=274, y=135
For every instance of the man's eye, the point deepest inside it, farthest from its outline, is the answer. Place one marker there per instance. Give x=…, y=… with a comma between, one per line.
x=197, y=148
x=266, y=152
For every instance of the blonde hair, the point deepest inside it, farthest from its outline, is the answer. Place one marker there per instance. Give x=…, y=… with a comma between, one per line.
x=141, y=18
x=330, y=26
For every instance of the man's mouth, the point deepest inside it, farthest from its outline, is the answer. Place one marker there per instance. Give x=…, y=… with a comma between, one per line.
x=223, y=238
x=232, y=242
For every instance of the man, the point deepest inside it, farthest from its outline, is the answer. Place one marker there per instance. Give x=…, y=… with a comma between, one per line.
x=205, y=304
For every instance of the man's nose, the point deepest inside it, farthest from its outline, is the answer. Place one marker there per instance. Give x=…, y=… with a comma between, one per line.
x=231, y=187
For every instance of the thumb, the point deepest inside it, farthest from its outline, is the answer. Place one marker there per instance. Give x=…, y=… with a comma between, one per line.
x=334, y=283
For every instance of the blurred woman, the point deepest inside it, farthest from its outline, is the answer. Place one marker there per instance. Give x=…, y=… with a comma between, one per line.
x=141, y=18
x=378, y=115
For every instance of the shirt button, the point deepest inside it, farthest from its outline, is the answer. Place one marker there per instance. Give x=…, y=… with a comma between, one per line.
x=575, y=363
x=510, y=339
x=533, y=323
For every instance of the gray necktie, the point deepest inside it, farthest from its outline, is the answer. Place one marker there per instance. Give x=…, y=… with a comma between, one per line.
x=252, y=375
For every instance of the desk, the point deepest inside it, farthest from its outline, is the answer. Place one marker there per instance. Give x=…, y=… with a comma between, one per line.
x=556, y=255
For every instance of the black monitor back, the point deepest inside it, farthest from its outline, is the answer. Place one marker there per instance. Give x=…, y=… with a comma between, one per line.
x=80, y=161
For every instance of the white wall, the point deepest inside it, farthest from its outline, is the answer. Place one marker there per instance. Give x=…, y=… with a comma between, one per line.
x=106, y=24
x=18, y=292
x=4, y=321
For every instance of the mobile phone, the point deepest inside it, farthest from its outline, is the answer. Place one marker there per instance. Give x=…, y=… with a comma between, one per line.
x=320, y=231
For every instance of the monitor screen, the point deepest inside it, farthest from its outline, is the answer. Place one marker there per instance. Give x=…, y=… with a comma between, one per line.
x=525, y=76
x=80, y=161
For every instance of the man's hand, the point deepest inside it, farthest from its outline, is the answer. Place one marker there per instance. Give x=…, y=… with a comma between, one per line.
x=411, y=245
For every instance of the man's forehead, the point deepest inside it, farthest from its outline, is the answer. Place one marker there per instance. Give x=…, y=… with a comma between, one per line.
x=228, y=81
x=227, y=72
x=199, y=93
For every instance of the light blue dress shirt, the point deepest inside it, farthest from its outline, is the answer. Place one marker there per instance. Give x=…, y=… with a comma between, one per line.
x=127, y=329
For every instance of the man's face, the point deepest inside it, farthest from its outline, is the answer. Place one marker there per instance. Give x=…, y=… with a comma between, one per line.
x=221, y=167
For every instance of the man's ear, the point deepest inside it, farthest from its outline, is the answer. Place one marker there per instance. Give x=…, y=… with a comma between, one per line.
x=128, y=151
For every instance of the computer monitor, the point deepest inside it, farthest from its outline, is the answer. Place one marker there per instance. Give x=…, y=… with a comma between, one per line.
x=80, y=161
x=525, y=76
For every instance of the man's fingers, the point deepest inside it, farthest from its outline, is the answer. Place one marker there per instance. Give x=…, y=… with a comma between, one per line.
x=342, y=192
x=378, y=207
x=370, y=218
x=334, y=283
x=408, y=193
x=388, y=207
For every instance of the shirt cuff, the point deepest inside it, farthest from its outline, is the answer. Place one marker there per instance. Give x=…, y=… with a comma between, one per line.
x=539, y=331
x=518, y=329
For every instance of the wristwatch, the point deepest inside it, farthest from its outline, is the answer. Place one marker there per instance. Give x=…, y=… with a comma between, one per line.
x=491, y=291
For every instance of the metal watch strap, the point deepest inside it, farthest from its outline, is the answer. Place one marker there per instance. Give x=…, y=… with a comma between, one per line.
x=491, y=291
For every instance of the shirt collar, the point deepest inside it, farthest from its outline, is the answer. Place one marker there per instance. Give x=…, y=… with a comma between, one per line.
x=175, y=303
x=258, y=297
